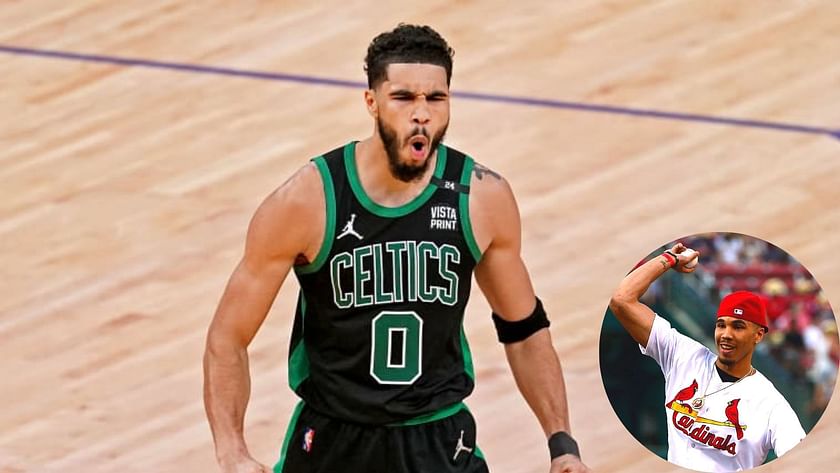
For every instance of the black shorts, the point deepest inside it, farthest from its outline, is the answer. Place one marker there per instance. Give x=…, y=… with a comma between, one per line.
x=315, y=443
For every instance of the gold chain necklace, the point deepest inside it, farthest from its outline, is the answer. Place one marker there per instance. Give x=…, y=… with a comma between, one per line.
x=698, y=403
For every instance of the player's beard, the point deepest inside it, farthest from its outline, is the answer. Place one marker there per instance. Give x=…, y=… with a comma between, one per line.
x=406, y=172
x=732, y=359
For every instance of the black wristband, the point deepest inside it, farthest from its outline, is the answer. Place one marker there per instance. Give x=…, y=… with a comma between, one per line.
x=561, y=443
x=676, y=258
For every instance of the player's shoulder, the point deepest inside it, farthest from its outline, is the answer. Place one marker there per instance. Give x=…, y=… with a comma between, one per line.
x=491, y=194
x=299, y=200
x=485, y=183
x=299, y=192
x=488, y=182
x=687, y=349
x=768, y=389
x=493, y=209
x=290, y=220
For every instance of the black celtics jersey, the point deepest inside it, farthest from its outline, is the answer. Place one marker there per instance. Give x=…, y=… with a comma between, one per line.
x=378, y=336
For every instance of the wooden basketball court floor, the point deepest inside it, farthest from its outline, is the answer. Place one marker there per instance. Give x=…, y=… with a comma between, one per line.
x=127, y=188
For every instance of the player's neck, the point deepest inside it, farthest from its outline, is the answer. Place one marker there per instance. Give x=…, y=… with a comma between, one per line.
x=738, y=370
x=377, y=180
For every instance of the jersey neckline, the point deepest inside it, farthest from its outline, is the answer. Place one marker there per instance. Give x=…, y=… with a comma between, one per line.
x=381, y=210
x=726, y=377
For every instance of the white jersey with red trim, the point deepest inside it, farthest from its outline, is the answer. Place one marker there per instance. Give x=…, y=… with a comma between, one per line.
x=735, y=425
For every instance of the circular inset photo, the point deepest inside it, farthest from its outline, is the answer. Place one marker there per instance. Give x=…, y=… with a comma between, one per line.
x=719, y=352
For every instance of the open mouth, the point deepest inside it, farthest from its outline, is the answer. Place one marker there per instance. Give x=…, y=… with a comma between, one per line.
x=419, y=146
x=726, y=348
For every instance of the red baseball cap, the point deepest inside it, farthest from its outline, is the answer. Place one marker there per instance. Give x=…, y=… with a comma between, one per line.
x=744, y=305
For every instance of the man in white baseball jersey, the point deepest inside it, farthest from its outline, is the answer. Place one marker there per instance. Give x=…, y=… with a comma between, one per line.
x=722, y=414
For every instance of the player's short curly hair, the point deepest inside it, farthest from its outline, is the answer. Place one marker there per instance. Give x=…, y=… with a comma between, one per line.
x=411, y=44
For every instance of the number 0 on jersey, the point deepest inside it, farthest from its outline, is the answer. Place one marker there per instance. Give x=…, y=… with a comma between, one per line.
x=397, y=347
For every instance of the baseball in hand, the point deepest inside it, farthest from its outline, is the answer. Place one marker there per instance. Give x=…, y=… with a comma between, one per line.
x=691, y=257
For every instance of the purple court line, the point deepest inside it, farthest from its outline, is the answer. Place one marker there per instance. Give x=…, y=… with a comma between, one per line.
x=508, y=99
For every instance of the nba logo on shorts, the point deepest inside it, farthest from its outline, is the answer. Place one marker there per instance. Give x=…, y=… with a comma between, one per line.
x=308, y=438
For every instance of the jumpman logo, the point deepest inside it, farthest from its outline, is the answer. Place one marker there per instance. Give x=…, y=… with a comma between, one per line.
x=460, y=447
x=348, y=229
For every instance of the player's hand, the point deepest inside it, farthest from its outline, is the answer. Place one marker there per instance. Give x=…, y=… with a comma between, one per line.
x=685, y=256
x=568, y=463
x=244, y=465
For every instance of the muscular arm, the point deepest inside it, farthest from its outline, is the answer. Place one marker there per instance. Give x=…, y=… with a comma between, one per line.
x=636, y=317
x=504, y=280
x=284, y=227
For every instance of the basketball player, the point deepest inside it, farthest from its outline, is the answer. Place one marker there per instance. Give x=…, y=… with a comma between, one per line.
x=722, y=414
x=383, y=235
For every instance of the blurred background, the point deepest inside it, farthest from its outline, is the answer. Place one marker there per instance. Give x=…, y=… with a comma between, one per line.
x=138, y=137
x=800, y=354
